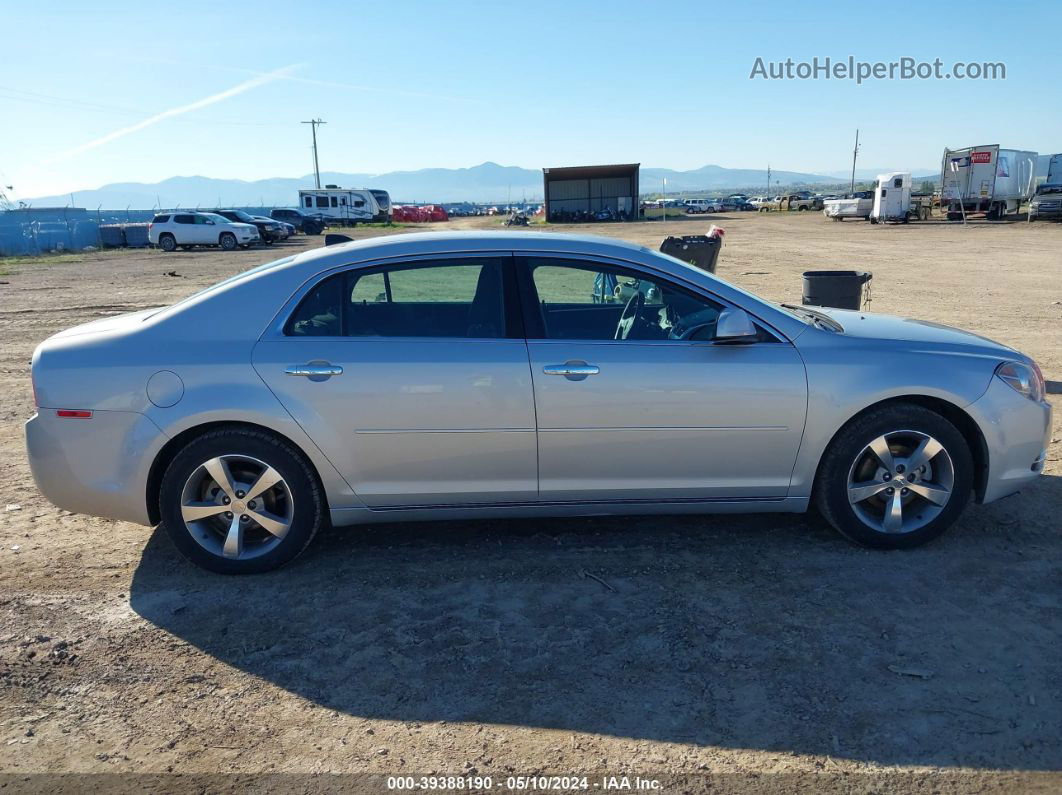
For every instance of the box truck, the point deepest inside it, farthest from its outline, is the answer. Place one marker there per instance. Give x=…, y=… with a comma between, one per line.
x=986, y=180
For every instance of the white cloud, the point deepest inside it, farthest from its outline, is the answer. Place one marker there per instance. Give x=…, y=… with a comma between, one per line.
x=213, y=99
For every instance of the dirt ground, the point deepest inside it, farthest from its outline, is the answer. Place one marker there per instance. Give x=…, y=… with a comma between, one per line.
x=722, y=653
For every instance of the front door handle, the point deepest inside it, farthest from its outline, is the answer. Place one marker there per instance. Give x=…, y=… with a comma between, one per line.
x=315, y=370
x=573, y=371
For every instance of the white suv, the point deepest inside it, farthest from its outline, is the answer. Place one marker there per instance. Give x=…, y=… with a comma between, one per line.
x=703, y=206
x=187, y=229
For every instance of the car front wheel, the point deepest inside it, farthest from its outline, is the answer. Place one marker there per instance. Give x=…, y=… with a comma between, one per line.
x=895, y=477
x=227, y=241
x=240, y=501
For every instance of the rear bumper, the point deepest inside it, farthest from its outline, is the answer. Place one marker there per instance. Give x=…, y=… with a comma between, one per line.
x=96, y=466
x=1017, y=433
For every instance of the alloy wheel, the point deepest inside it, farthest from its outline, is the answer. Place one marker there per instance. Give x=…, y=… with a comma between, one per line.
x=237, y=507
x=900, y=482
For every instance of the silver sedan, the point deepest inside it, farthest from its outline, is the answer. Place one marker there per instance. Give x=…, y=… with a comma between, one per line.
x=443, y=376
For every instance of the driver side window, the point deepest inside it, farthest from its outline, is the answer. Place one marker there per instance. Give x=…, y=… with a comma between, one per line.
x=580, y=300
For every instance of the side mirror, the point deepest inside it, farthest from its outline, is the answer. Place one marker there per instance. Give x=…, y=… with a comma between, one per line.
x=735, y=325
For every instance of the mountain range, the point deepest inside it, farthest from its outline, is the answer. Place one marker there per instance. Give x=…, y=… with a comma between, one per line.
x=487, y=182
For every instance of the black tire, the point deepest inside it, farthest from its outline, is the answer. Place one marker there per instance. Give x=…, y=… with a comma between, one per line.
x=831, y=482
x=227, y=241
x=802, y=207
x=167, y=242
x=308, y=510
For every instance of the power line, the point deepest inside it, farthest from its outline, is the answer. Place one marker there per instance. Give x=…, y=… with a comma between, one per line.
x=316, y=168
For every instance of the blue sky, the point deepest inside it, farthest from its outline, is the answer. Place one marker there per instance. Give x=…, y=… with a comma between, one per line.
x=93, y=93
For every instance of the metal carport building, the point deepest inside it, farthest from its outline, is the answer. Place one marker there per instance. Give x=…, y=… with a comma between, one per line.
x=587, y=189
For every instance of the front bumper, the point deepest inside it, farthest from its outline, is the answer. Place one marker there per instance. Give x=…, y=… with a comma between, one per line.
x=97, y=466
x=1017, y=432
x=1050, y=211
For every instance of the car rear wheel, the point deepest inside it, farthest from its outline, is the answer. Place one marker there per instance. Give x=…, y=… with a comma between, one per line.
x=240, y=502
x=227, y=241
x=895, y=477
x=167, y=242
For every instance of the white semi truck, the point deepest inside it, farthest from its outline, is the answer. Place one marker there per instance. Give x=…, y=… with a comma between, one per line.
x=986, y=180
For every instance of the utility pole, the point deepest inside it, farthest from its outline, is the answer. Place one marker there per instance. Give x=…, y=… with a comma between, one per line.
x=316, y=167
x=768, y=181
x=855, y=153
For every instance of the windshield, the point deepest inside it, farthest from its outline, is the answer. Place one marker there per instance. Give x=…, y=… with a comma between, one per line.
x=242, y=216
x=217, y=219
x=1048, y=189
x=381, y=198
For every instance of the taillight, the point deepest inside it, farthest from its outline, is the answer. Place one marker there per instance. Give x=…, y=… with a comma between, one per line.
x=74, y=414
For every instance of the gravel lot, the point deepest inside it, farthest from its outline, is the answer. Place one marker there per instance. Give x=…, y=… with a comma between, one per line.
x=758, y=652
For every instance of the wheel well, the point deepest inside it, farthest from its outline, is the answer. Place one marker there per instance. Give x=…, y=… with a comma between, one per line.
x=975, y=440
x=176, y=444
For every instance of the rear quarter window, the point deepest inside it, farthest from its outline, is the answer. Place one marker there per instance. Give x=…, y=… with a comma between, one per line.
x=160, y=219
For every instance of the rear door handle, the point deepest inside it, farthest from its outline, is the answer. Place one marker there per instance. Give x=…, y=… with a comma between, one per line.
x=573, y=371
x=315, y=370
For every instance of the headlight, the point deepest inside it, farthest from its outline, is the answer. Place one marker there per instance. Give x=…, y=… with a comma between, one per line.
x=1023, y=378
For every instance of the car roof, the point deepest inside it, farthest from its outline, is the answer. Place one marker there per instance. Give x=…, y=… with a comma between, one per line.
x=442, y=242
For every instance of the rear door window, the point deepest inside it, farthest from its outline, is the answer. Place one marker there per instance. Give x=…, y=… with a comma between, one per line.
x=450, y=298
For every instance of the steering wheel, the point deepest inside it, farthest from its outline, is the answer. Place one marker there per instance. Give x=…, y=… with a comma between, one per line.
x=631, y=313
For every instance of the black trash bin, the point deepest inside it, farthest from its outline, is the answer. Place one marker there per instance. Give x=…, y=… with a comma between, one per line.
x=701, y=251
x=837, y=289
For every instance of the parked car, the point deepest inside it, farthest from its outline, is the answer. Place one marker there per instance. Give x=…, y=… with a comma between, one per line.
x=1046, y=203
x=852, y=205
x=169, y=231
x=693, y=206
x=800, y=200
x=284, y=230
x=306, y=223
x=268, y=229
x=675, y=393
x=729, y=205
x=289, y=229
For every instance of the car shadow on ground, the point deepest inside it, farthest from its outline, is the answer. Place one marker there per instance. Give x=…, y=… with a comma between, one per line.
x=762, y=632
